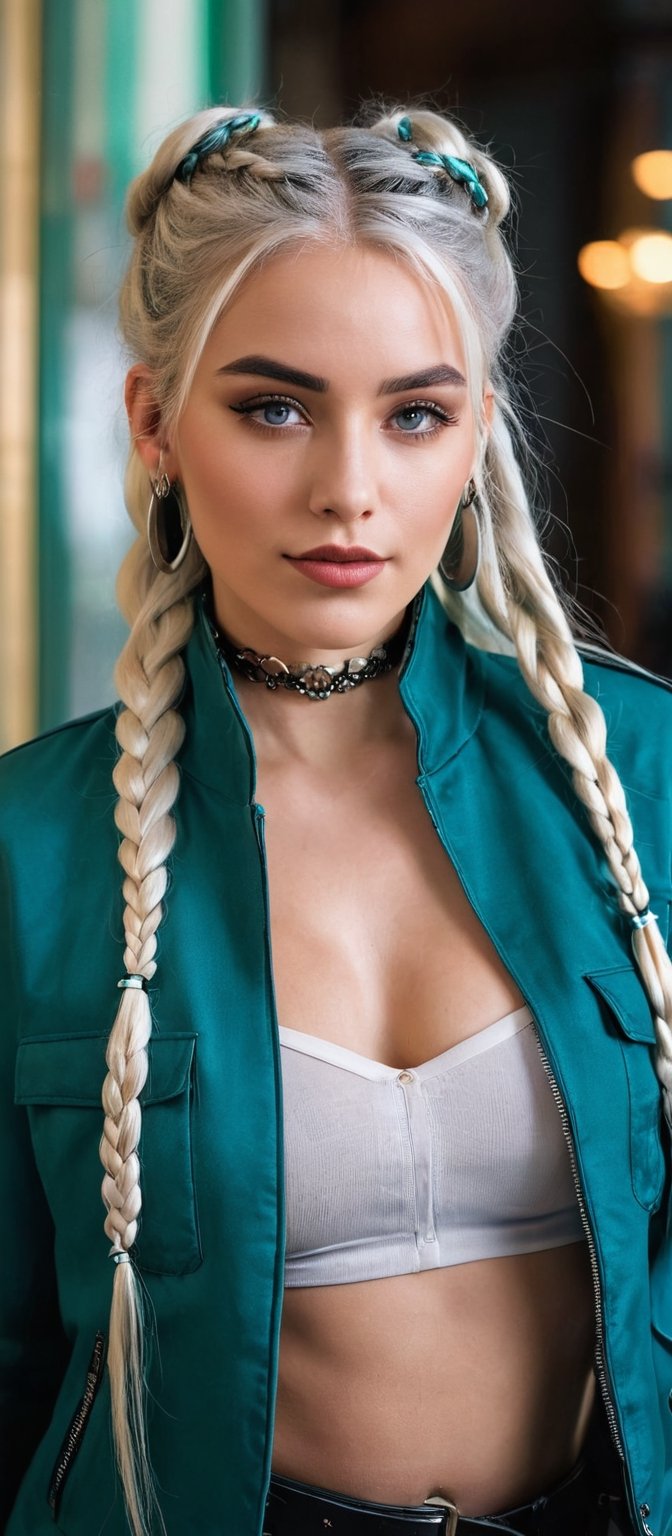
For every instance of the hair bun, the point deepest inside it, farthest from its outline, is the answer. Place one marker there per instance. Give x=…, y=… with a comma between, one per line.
x=433, y=133
x=180, y=152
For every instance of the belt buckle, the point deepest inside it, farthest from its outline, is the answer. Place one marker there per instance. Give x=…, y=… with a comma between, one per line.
x=453, y=1512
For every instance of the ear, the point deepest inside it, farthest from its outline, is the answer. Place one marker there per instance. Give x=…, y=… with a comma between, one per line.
x=488, y=408
x=145, y=423
x=487, y=411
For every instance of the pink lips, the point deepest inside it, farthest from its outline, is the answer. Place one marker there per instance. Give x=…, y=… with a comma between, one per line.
x=332, y=565
x=339, y=573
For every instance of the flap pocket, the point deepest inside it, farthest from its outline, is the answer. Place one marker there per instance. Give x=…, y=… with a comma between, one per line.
x=629, y=1014
x=70, y=1069
x=59, y=1078
x=623, y=990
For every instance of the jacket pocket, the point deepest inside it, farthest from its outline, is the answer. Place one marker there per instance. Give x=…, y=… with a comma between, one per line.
x=629, y=1015
x=59, y=1078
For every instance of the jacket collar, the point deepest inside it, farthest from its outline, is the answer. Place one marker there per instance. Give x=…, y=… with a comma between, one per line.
x=441, y=683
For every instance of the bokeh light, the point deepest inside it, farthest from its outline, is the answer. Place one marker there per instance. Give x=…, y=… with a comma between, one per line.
x=652, y=173
x=604, y=264
x=651, y=257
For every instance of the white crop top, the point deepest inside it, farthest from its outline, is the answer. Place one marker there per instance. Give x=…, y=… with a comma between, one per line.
x=388, y=1172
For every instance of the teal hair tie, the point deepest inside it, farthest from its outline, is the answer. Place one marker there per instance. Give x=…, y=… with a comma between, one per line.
x=213, y=141
x=460, y=170
x=641, y=919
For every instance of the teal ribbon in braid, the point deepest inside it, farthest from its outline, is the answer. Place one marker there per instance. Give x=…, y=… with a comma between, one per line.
x=460, y=170
x=213, y=140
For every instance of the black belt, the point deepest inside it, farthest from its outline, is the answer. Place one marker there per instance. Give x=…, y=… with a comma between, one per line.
x=300, y=1509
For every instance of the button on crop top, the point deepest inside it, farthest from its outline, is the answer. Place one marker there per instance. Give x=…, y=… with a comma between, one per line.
x=388, y=1172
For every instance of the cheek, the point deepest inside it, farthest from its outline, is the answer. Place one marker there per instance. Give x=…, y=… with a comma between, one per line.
x=218, y=475
x=439, y=466
x=429, y=488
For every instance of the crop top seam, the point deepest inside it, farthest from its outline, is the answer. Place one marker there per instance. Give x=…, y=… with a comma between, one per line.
x=474, y=1045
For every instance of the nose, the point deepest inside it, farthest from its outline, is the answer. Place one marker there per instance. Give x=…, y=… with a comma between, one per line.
x=345, y=480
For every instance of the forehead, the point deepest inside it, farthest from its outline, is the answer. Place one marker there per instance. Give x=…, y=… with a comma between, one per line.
x=325, y=306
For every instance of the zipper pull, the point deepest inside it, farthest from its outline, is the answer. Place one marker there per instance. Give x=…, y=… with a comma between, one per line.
x=259, y=825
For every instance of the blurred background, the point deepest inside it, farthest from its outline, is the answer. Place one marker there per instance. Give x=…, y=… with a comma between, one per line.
x=575, y=101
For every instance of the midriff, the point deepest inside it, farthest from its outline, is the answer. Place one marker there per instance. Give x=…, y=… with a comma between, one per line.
x=474, y=1381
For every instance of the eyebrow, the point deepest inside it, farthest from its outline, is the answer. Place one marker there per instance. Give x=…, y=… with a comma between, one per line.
x=441, y=373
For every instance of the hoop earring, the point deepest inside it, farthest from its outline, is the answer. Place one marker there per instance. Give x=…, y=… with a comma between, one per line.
x=461, y=557
x=164, y=522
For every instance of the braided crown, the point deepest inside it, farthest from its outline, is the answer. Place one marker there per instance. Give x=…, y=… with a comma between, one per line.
x=216, y=139
x=461, y=170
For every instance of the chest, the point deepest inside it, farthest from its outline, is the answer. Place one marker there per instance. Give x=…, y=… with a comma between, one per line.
x=374, y=943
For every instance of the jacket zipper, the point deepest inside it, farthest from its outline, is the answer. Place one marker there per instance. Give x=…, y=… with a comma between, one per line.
x=260, y=830
x=77, y=1425
x=597, y=1284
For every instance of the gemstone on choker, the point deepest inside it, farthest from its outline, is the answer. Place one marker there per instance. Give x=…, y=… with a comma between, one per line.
x=315, y=680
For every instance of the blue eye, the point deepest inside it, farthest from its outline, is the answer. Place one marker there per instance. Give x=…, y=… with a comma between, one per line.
x=274, y=405
x=422, y=410
x=252, y=408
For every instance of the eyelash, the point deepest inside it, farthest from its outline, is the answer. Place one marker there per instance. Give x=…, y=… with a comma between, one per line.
x=443, y=418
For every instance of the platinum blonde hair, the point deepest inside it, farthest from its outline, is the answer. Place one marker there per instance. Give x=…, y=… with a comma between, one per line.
x=279, y=187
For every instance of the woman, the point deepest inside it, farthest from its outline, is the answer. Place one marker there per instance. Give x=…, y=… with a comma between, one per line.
x=386, y=1169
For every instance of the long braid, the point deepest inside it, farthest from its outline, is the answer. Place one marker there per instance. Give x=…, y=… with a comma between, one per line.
x=553, y=671
x=149, y=676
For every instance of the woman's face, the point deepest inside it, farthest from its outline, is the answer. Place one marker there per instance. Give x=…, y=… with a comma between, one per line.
x=272, y=467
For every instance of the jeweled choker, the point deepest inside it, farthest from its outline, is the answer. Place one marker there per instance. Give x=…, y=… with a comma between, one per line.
x=315, y=680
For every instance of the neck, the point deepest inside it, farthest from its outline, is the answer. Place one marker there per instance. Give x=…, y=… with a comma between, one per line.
x=328, y=734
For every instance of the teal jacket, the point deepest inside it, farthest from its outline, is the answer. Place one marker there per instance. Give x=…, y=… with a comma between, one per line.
x=210, y=1248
